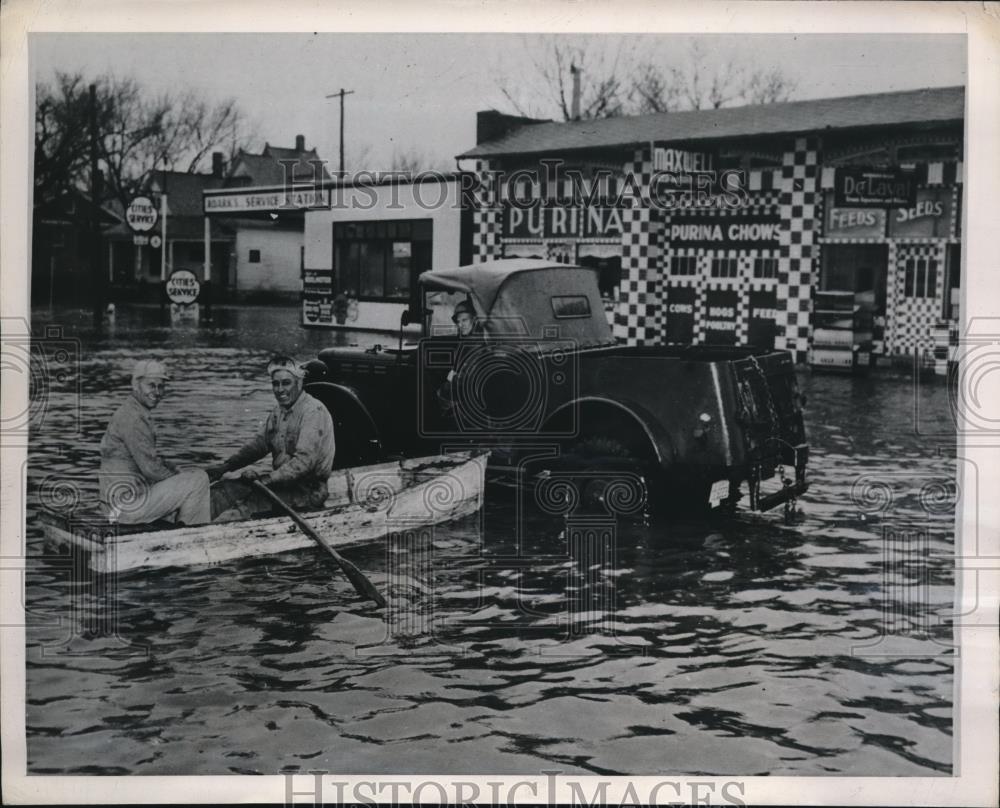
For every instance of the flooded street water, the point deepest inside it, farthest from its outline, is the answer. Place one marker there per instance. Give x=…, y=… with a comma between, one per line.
x=732, y=646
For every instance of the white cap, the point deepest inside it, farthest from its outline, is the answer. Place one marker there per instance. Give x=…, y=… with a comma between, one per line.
x=149, y=369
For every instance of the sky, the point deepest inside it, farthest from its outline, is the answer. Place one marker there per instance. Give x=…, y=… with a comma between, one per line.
x=420, y=92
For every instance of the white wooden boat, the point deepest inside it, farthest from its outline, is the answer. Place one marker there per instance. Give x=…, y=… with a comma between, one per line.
x=365, y=504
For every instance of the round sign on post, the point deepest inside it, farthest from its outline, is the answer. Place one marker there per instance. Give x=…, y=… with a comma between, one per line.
x=141, y=214
x=183, y=287
x=155, y=242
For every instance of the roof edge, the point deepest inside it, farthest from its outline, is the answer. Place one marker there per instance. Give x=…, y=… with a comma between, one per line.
x=478, y=149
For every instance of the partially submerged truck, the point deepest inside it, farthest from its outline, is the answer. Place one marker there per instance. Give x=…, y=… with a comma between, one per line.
x=543, y=382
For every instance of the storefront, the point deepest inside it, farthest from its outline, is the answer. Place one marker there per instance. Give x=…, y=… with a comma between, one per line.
x=719, y=226
x=903, y=259
x=267, y=225
x=366, y=247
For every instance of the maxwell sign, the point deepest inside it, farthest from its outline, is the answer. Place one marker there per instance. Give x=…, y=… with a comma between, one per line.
x=859, y=187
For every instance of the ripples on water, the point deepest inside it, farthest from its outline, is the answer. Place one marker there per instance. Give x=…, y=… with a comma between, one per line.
x=738, y=646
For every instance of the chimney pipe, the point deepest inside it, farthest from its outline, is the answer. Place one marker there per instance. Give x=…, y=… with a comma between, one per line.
x=216, y=164
x=575, y=109
x=300, y=143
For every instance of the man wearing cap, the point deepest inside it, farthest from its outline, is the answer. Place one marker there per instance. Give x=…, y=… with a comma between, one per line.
x=298, y=434
x=137, y=485
x=464, y=318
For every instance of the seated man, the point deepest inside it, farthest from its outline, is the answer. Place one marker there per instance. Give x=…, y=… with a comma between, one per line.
x=298, y=434
x=470, y=339
x=137, y=485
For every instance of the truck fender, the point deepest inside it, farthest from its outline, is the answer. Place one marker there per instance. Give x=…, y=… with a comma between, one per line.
x=362, y=441
x=655, y=433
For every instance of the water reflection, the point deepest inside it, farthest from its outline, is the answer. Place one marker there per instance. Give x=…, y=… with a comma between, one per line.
x=705, y=647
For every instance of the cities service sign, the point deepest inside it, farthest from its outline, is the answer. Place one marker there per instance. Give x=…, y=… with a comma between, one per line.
x=141, y=214
x=183, y=287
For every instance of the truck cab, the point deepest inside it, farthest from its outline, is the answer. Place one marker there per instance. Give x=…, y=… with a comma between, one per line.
x=542, y=381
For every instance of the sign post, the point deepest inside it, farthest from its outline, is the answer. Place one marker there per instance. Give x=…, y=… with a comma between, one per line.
x=163, y=250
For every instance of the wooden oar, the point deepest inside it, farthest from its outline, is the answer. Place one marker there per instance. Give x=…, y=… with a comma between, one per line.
x=364, y=587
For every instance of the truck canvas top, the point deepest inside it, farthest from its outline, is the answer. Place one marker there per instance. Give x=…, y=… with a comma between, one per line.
x=531, y=298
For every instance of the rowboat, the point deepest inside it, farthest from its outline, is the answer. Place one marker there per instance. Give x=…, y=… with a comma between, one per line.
x=365, y=503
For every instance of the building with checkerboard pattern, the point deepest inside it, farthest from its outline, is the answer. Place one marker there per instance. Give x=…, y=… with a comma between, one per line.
x=688, y=256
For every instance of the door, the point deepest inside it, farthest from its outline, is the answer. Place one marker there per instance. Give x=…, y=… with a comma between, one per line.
x=862, y=269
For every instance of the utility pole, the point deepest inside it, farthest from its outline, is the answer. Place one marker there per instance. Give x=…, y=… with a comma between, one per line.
x=341, y=94
x=96, y=275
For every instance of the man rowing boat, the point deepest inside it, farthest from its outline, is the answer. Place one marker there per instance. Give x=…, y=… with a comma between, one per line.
x=137, y=484
x=298, y=433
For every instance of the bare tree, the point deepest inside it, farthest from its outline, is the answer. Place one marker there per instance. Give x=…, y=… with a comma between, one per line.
x=626, y=78
x=203, y=127
x=653, y=92
x=603, y=93
x=62, y=149
x=768, y=87
x=138, y=133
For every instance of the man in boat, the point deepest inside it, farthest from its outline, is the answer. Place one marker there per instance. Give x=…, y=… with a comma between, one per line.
x=137, y=485
x=298, y=434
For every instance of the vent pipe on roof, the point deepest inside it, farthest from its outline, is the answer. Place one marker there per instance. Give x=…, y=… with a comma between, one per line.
x=300, y=143
x=575, y=109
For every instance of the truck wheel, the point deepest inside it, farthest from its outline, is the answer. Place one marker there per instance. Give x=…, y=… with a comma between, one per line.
x=611, y=472
x=597, y=474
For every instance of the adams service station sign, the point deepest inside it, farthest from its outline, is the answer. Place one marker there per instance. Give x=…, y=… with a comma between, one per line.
x=262, y=201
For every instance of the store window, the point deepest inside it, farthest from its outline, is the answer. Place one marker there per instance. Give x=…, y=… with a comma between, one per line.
x=380, y=260
x=607, y=260
x=953, y=287
x=920, y=279
x=765, y=267
x=683, y=265
x=725, y=267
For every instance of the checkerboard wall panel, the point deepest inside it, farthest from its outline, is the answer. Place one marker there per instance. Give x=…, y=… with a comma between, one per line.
x=486, y=223
x=637, y=318
x=911, y=320
x=800, y=192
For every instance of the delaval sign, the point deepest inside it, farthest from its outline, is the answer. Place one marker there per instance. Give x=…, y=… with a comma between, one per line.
x=859, y=187
x=724, y=232
x=304, y=199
